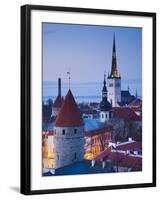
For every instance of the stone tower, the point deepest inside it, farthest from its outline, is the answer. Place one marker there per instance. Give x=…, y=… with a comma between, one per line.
x=69, y=134
x=114, y=80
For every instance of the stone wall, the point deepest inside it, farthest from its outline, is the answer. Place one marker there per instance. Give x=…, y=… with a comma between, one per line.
x=68, y=145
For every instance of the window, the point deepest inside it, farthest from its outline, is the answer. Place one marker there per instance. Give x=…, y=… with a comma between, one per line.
x=106, y=115
x=63, y=132
x=75, y=130
x=111, y=85
x=102, y=115
x=57, y=156
x=75, y=156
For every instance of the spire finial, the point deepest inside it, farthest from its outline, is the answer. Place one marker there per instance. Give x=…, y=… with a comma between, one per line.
x=114, y=43
x=104, y=78
x=69, y=77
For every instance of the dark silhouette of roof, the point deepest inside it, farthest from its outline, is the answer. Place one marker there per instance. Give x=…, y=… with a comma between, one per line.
x=136, y=103
x=125, y=93
x=69, y=115
x=105, y=105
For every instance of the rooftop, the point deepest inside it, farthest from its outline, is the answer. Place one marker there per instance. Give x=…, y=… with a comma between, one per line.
x=58, y=102
x=69, y=114
x=126, y=112
x=82, y=167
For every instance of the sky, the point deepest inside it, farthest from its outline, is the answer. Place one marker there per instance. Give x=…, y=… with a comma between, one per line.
x=86, y=51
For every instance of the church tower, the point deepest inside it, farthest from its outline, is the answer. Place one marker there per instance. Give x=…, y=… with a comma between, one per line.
x=69, y=134
x=114, y=80
x=105, y=106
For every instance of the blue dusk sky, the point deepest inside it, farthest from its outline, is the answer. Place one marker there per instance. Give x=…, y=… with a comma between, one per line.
x=87, y=52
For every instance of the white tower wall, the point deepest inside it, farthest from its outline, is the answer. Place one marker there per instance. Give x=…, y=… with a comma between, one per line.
x=104, y=116
x=68, y=145
x=114, y=91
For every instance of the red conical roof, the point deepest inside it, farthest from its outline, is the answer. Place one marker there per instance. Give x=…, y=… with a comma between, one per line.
x=58, y=102
x=69, y=114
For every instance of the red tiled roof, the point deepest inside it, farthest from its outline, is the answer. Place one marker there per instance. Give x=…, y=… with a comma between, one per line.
x=58, y=102
x=136, y=103
x=121, y=159
x=126, y=112
x=69, y=114
x=133, y=146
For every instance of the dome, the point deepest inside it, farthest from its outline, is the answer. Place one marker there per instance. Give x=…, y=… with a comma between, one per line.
x=105, y=105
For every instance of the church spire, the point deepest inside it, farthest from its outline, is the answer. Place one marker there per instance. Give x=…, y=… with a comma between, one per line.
x=104, y=90
x=114, y=69
x=104, y=82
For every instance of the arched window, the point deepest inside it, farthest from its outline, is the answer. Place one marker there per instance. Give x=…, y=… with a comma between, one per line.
x=63, y=132
x=102, y=115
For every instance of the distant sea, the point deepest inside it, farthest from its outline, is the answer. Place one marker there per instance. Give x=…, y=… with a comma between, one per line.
x=86, y=92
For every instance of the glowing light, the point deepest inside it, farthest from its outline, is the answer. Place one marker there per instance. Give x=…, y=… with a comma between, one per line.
x=88, y=156
x=50, y=154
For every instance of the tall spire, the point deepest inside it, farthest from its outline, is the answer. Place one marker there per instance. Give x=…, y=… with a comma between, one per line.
x=114, y=69
x=104, y=90
x=104, y=82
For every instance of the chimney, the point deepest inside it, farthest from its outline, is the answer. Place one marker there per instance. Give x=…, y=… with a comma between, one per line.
x=59, y=87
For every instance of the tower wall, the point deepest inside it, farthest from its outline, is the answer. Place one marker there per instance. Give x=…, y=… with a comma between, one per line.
x=104, y=116
x=68, y=145
x=114, y=91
